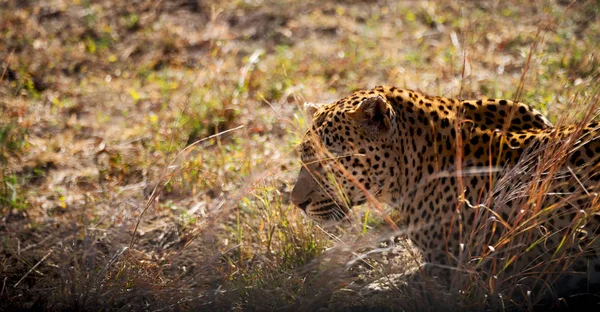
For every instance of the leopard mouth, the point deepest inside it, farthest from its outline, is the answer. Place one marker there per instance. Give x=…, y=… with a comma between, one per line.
x=303, y=205
x=329, y=211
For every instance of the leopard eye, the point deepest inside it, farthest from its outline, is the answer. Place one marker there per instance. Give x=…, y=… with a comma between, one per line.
x=309, y=160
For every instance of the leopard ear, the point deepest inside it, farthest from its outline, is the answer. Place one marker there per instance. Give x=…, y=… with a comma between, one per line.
x=311, y=108
x=374, y=112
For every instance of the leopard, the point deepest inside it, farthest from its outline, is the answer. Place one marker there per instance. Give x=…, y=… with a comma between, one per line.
x=487, y=187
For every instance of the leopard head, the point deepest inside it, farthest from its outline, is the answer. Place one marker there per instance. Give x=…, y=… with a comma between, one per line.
x=343, y=156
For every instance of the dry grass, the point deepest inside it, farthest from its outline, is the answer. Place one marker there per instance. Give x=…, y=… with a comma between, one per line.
x=99, y=99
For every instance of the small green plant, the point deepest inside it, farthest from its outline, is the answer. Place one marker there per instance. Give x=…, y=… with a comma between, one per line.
x=12, y=141
x=10, y=193
x=133, y=21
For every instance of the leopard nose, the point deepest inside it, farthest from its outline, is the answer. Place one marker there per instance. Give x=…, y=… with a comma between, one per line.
x=299, y=196
x=301, y=190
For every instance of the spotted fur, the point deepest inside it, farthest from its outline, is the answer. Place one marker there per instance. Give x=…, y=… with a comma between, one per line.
x=461, y=174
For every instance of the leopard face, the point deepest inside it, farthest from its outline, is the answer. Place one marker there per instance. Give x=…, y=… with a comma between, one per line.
x=344, y=156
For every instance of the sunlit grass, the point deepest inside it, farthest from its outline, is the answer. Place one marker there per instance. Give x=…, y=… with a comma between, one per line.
x=98, y=99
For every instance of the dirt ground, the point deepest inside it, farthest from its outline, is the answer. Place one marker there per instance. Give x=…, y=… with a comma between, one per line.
x=147, y=147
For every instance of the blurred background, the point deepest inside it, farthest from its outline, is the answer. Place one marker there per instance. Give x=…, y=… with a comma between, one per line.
x=99, y=100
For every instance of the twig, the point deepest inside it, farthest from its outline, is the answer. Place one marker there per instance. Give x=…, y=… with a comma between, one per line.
x=35, y=245
x=178, y=303
x=112, y=260
x=539, y=37
x=578, y=181
x=3, y=286
x=33, y=268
